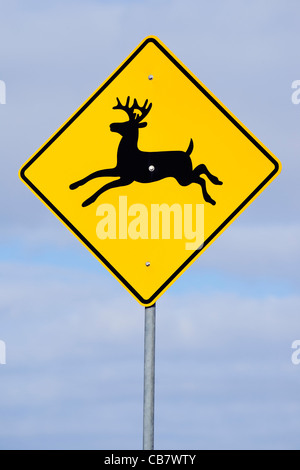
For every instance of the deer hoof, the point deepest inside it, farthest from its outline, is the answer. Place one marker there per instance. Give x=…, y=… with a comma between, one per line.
x=86, y=203
x=210, y=200
x=215, y=180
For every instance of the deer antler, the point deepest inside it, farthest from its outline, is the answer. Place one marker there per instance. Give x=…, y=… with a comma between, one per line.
x=126, y=108
x=144, y=110
x=130, y=109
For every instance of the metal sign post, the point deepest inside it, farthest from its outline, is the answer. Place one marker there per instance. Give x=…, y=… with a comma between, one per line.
x=149, y=378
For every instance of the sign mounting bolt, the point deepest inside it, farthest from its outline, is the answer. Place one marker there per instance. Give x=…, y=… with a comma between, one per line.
x=150, y=77
x=147, y=264
x=151, y=168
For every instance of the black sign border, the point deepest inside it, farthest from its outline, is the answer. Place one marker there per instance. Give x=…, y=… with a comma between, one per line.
x=196, y=253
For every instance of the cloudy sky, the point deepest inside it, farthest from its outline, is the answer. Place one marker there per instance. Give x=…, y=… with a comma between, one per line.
x=73, y=377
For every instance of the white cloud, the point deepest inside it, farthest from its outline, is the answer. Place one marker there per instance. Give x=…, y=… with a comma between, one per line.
x=264, y=251
x=75, y=364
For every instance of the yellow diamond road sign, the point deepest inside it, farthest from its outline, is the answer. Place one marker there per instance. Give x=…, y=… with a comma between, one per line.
x=150, y=170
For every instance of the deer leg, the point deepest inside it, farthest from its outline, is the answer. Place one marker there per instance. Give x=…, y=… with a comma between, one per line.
x=106, y=187
x=202, y=170
x=96, y=174
x=185, y=180
x=201, y=181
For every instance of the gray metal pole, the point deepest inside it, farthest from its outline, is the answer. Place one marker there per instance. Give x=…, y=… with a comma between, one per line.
x=149, y=377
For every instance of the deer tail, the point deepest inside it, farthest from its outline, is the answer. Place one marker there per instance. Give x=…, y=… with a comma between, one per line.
x=190, y=149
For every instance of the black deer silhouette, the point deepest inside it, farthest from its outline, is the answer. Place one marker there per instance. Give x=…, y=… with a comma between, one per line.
x=146, y=167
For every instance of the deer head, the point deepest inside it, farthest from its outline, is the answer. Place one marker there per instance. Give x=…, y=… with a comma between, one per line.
x=135, y=118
